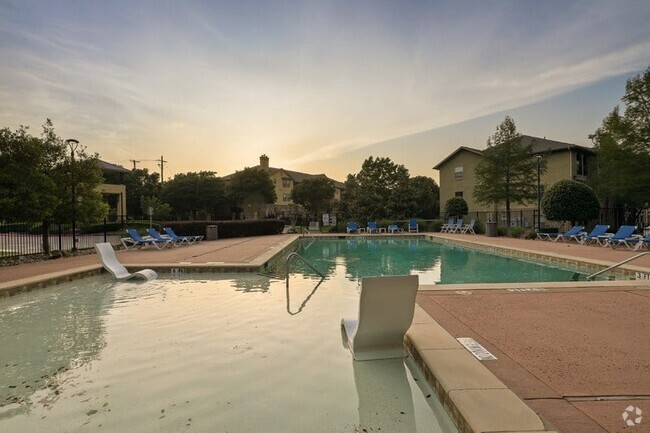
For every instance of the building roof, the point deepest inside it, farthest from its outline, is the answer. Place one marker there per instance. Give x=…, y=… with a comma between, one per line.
x=455, y=152
x=540, y=145
x=296, y=176
x=107, y=166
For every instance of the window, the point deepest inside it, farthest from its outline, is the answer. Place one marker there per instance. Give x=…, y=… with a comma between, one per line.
x=458, y=172
x=581, y=164
x=286, y=183
x=458, y=194
x=286, y=196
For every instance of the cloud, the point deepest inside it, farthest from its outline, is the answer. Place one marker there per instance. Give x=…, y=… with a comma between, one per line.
x=296, y=81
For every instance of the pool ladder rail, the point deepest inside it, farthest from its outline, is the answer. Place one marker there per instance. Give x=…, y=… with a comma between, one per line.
x=595, y=274
x=288, y=261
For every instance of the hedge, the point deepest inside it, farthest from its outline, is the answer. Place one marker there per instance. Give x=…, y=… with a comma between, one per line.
x=227, y=229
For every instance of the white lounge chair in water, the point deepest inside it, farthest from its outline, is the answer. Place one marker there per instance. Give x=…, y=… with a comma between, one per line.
x=109, y=261
x=386, y=307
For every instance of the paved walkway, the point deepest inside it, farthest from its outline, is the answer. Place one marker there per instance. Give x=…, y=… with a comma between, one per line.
x=579, y=357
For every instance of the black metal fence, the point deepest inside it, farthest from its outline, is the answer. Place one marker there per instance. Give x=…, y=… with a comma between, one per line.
x=20, y=239
x=527, y=218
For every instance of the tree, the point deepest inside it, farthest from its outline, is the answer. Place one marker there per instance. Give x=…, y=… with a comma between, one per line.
x=314, y=194
x=568, y=200
x=194, y=195
x=251, y=186
x=140, y=184
x=623, y=150
x=456, y=207
x=426, y=194
x=161, y=211
x=40, y=179
x=508, y=172
x=380, y=190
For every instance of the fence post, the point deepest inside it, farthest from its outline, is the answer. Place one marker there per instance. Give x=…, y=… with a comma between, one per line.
x=60, y=238
x=105, y=230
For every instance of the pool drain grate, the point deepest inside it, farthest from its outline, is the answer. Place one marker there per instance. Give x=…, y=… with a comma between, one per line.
x=480, y=352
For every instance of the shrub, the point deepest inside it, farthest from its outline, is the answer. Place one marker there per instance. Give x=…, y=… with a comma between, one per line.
x=435, y=225
x=502, y=231
x=572, y=201
x=456, y=207
x=517, y=232
x=227, y=229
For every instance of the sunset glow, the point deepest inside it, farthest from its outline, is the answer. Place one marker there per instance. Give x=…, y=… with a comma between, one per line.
x=316, y=85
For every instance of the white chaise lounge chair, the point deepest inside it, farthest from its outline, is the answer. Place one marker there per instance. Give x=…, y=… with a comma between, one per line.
x=109, y=261
x=386, y=306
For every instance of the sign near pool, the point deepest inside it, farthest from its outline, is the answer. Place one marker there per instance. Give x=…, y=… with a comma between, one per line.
x=480, y=352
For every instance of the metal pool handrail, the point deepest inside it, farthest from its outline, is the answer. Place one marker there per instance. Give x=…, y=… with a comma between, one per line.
x=294, y=254
x=594, y=275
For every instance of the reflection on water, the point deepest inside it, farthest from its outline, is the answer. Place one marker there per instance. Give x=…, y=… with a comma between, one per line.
x=46, y=332
x=193, y=352
x=301, y=295
x=251, y=284
x=384, y=395
x=435, y=263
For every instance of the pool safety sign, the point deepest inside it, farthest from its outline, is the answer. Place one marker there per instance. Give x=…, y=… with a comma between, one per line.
x=480, y=352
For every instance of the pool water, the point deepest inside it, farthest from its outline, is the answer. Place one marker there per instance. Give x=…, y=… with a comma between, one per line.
x=200, y=353
x=435, y=263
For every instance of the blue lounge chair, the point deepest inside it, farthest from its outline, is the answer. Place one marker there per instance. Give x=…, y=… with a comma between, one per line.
x=352, y=228
x=632, y=243
x=469, y=228
x=567, y=235
x=394, y=228
x=643, y=242
x=136, y=241
x=372, y=227
x=445, y=227
x=623, y=232
x=592, y=236
x=413, y=226
x=456, y=228
x=187, y=239
x=158, y=237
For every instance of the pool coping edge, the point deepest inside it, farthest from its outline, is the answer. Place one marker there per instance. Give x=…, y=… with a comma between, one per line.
x=500, y=408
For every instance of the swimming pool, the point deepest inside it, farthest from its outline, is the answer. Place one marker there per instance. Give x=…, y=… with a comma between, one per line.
x=433, y=262
x=199, y=352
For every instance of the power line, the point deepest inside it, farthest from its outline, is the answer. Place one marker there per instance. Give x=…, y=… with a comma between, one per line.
x=160, y=162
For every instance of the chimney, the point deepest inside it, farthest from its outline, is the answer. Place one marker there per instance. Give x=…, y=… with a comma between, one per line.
x=264, y=162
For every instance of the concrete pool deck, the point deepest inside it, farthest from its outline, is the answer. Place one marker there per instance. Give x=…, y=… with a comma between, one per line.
x=576, y=354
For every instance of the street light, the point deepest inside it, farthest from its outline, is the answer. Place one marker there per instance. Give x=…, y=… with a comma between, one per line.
x=539, y=195
x=73, y=147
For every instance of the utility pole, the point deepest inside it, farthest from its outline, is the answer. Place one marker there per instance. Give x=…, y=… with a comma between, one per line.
x=134, y=161
x=161, y=164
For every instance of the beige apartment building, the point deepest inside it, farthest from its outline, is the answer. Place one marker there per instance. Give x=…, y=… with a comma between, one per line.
x=284, y=181
x=563, y=161
x=113, y=190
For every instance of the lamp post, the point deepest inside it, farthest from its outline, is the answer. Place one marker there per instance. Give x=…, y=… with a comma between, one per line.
x=539, y=196
x=73, y=147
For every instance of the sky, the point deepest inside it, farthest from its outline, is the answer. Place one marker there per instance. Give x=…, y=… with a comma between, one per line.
x=318, y=86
